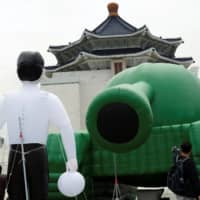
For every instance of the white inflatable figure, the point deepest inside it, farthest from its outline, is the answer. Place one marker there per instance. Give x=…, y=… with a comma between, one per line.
x=28, y=113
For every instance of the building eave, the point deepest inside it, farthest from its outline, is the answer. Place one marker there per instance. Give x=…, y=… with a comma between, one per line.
x=53, y=49
x=143, y=30
x=187, y=62
x=88, y=34
x=175, y=41
x=151, y=52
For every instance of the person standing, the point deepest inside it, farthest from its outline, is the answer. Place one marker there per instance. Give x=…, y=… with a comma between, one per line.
x=28, y=113
x=191, y=185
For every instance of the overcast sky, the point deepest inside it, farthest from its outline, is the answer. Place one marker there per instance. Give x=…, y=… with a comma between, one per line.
x=36, y=24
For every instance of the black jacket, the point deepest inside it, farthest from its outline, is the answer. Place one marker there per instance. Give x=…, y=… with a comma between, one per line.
x=191, y=179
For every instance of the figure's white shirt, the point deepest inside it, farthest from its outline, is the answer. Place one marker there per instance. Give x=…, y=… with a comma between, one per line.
x=35, y=109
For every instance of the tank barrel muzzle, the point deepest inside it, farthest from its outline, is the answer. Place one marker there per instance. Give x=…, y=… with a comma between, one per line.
x=120, y=118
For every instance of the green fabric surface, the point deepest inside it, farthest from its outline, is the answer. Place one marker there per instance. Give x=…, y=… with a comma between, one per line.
x=52, y=187
x=152, y=157
x=55, y=153
x=53, y=177
x=145, y=165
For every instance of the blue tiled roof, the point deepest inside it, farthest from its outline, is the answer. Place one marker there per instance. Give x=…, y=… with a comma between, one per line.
x=114, y=25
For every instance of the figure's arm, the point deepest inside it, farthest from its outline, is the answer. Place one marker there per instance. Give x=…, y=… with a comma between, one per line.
x=60, y=118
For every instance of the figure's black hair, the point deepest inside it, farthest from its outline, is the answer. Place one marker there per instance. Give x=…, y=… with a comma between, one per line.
x=29, y=66
x=186, y=147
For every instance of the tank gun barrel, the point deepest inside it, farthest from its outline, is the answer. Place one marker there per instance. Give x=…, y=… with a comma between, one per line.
x=120, y=117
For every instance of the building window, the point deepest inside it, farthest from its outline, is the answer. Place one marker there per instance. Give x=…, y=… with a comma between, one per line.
x=118, y=67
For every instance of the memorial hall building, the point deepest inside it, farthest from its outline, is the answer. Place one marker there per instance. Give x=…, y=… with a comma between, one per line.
x=84, y=66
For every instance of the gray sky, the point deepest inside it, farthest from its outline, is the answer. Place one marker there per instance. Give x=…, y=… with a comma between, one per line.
x=36, y=24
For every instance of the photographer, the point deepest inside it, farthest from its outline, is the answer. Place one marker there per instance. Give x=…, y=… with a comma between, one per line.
x=191, y=183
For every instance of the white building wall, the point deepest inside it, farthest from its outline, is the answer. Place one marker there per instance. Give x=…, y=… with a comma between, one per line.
x=69, y=95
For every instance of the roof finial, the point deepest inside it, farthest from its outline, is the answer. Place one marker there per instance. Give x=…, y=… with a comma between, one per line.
x=113, y=9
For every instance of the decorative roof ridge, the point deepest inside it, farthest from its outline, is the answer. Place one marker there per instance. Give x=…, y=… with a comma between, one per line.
x=151, y=51
x=175, y=60
x=119, y=19
x=51, y=67
x=103, y=22
x=64, y=47
x=127, y=24
x=146, y=51
x=76, y=60
x=86, y=54
x=172, y=39
x=92, y=34
x=167, y=41
x=143, y=30
x=86, y=33
x=185, y=58
x=57, y=46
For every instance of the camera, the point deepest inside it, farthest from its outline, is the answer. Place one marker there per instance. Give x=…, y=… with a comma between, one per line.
x=176, y=150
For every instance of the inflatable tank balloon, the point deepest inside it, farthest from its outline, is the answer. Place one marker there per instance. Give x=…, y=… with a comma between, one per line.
x=141, y=114
x=138, y=99
x=133, y=124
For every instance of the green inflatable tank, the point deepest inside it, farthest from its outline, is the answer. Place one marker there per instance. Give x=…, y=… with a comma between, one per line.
x=142, y=113
x=132, y=126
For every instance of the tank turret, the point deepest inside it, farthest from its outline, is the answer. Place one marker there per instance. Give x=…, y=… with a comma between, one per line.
x=122, y=116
